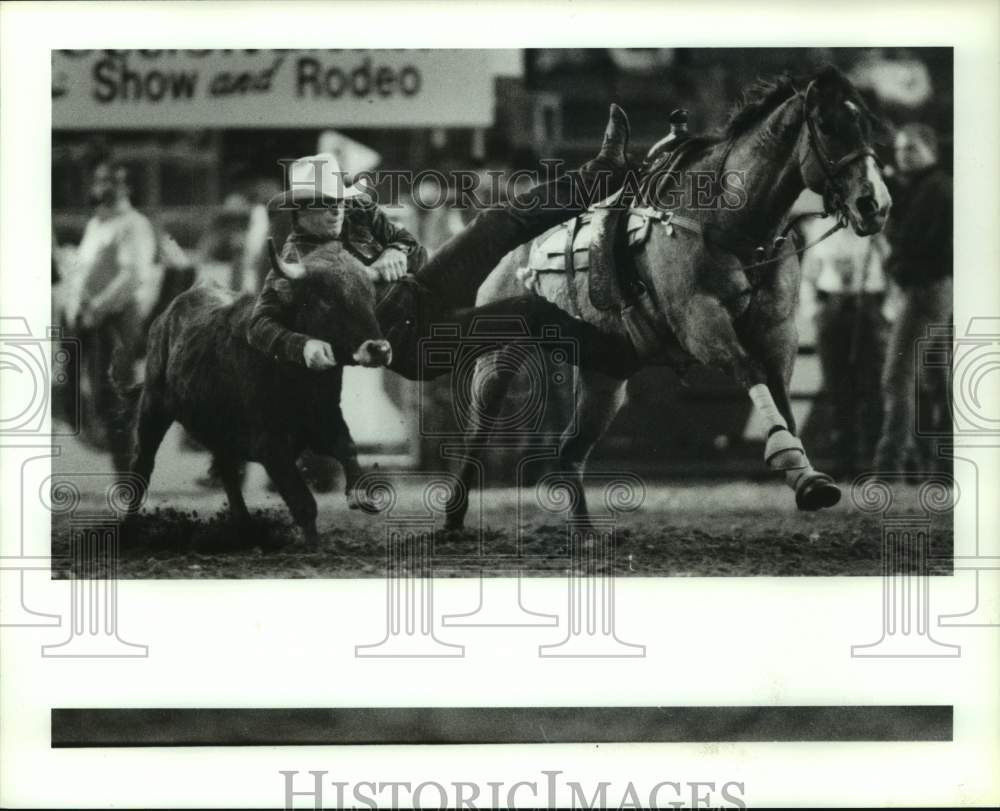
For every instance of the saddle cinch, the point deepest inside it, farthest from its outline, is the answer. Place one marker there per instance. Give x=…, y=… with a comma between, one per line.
x=601, y=243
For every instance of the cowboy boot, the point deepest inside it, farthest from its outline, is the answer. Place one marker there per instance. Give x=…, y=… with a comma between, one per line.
x=605, y=174
x=616, y=135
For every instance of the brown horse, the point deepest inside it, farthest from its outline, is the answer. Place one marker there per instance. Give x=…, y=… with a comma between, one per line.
x=723, y=279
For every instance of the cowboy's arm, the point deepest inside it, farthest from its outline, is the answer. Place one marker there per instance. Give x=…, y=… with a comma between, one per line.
x=267, y=332
x=388, y=233
x=394, y=237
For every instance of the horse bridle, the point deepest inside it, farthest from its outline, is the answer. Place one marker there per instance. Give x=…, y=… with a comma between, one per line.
x=832, y=203
x=832, y=169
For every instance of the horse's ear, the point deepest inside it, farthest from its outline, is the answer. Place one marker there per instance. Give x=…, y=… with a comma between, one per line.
x=829, y=76
x=831, y=84
x=290, y=270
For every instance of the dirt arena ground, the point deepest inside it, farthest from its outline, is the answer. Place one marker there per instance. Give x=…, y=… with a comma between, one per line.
x=717, y=528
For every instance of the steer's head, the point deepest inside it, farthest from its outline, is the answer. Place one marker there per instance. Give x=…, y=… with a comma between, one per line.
x=334, y=301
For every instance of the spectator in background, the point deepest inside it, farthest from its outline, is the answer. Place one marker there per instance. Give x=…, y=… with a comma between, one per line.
x=113, y=290
x=920, y=235
x=224, y=240
x=847, y=273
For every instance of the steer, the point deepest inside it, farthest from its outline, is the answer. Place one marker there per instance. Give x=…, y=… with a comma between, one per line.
x=245, y=406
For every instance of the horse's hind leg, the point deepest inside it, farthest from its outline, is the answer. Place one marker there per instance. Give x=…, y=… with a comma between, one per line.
x=707, y=332
x=491, y=379
x=598, y=400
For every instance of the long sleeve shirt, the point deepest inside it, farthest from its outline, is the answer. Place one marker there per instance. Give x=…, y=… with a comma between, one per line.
x=116, y=263
x=367, y=234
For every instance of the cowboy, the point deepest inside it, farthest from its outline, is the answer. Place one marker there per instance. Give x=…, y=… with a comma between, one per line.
x=410, y=302
x=325, y=209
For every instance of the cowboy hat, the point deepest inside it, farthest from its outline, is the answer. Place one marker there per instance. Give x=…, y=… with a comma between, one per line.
x=316, y=177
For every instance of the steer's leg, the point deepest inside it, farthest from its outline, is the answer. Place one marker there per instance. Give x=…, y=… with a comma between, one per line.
x=280, y=466
x=229, y=471
x=598, y=399
x=152, y=422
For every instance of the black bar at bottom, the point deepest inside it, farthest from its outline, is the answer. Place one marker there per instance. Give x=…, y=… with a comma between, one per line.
x=472, y=725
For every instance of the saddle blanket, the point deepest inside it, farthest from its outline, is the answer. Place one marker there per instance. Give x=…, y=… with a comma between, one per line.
x=548, y=252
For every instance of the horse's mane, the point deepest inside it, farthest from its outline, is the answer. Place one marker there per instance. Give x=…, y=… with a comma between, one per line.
x=758, y=101
x=766, y=94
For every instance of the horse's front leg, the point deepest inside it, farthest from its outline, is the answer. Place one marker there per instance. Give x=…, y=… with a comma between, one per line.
x=705, y=328
x=775, y=346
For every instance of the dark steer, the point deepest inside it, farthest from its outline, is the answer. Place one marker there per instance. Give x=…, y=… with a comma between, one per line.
x=243, y=405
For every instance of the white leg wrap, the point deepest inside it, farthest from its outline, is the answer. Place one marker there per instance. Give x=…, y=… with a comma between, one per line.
x=794, y=476
x=784, y=451
x=761, y=397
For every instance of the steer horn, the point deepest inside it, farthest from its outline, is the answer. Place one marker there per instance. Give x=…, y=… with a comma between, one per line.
x=290, y=270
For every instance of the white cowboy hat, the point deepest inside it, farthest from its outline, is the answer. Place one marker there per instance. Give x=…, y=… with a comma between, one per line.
x=315, y=177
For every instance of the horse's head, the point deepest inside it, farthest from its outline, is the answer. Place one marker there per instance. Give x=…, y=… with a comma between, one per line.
x=334, y=301
x=835, y=153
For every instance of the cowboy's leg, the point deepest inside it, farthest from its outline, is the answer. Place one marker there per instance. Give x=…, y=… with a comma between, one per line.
x=458, y=268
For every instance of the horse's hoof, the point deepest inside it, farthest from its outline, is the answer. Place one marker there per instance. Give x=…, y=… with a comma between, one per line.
x=817, y=492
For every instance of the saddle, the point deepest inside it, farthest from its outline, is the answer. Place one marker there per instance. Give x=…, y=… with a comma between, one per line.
x=601, y=243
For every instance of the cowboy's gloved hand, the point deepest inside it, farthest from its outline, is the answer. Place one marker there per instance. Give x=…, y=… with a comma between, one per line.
x=318, y=355
x=391, y=265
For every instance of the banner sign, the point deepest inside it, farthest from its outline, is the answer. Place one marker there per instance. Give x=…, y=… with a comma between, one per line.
x=176, y=89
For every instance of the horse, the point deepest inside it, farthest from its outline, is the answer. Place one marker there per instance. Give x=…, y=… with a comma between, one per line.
x=718, y=270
